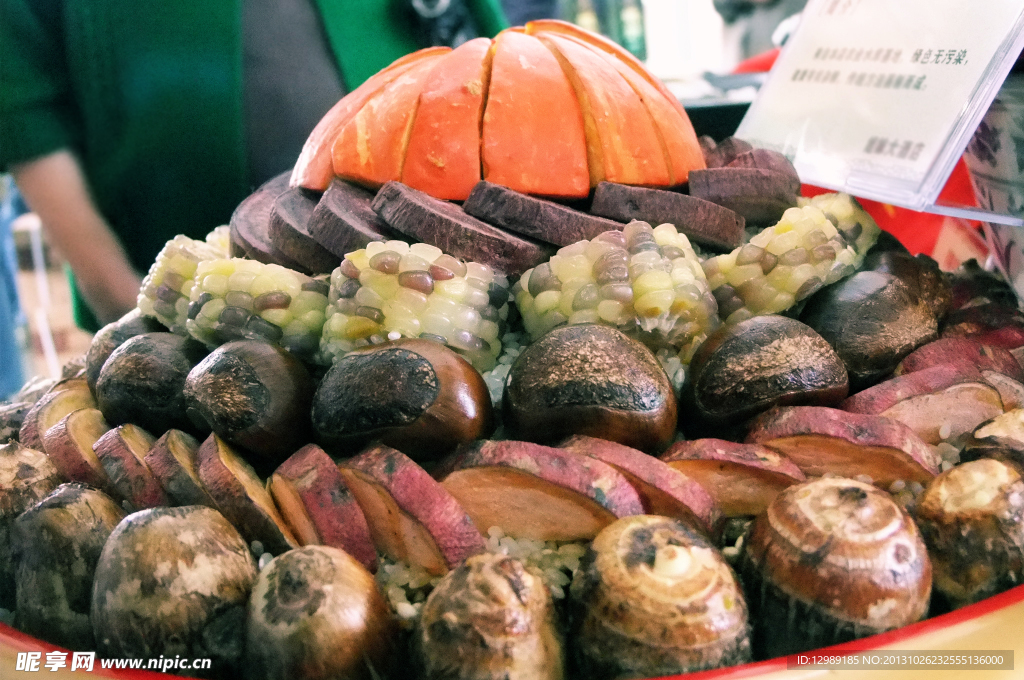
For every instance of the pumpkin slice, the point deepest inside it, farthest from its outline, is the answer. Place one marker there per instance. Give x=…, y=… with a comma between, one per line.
x=622, y=143
x=623, y=56
x=443, y=156
x=314, y=167
x=675, y=133
x=371, y=145
x=533, y=139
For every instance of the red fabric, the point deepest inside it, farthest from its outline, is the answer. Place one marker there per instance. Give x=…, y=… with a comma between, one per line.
x=759, y=63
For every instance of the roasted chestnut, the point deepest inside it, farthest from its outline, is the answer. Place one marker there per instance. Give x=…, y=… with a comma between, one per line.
x=593, y=380
x=414, y=395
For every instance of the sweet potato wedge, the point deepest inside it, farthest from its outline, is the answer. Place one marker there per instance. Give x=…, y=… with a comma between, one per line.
x=172, y=460
x=59, y=401
x=412, y=518
x=241, y=497
x=318, y=505
x=122, y=451
x=824, y=440
x=69, y=445
x=962, y=351
x=742, y=478
x=663, y=490
x=537, y=492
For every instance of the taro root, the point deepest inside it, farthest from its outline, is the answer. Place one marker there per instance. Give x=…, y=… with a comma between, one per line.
x=110, y=337
x=972, y=520
x=414, y=395
x=173, y=581
x=141, y=381
x=592, y=380
x=748, y=367
x=26, y=477
x=254, y=395
x=872, y=320
x=1001, y=438
x=56, y=545
x=317, y=614
x=651, y=598
x=829, y=561
x=490, y=618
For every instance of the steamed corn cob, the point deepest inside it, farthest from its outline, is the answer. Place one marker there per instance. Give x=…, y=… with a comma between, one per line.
x=165, y=290
x=391, y=289
x=236, y=298
x=646, y=282
x=789, y=261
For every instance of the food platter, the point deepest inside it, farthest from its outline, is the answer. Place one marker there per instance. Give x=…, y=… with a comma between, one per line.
x=988, y=625
x=674, y=371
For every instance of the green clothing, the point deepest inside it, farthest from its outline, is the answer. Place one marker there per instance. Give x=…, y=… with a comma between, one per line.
x=149, y=95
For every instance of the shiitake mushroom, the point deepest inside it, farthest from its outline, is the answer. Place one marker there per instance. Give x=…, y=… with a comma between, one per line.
x=141, y=381
x=873, y=320
x=174, y=582
x=414, y=395
x=829, y=561
x=110, y=337
x=316, y=613
x=254, y=395
x=56, y=545
x=653, y=597
x=746, y=368
x=589, y=379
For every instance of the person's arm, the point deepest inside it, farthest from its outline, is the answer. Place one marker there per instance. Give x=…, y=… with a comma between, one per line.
x=54, y=187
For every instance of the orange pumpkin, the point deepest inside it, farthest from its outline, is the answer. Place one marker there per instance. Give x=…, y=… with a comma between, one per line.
x=547, y=109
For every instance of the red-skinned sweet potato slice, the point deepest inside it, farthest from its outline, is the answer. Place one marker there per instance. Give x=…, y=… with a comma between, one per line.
x=824, y=440
x=314, y=168
x=538, y=492
x=962, y=351
x=318, y=505
x=533, y=139
x=370, y=147
x=443, y=156
x=411, y=517
x=622, y=143
x=742, y=478
x=663, y=490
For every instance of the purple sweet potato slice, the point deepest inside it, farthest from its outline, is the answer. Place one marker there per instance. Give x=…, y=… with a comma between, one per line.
x=742, y=478
x=538, y=492
x=962, y=351
x=663, y=490
x=823, y=440
x=412, y=518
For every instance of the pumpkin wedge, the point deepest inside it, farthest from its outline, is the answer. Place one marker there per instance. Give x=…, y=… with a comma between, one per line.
x=622, y=143
x=314, y=167
x=533, y=139
x=370, y=147
x=443, y=156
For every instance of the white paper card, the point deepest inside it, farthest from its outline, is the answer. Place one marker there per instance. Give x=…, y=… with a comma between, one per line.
x=879, y=98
